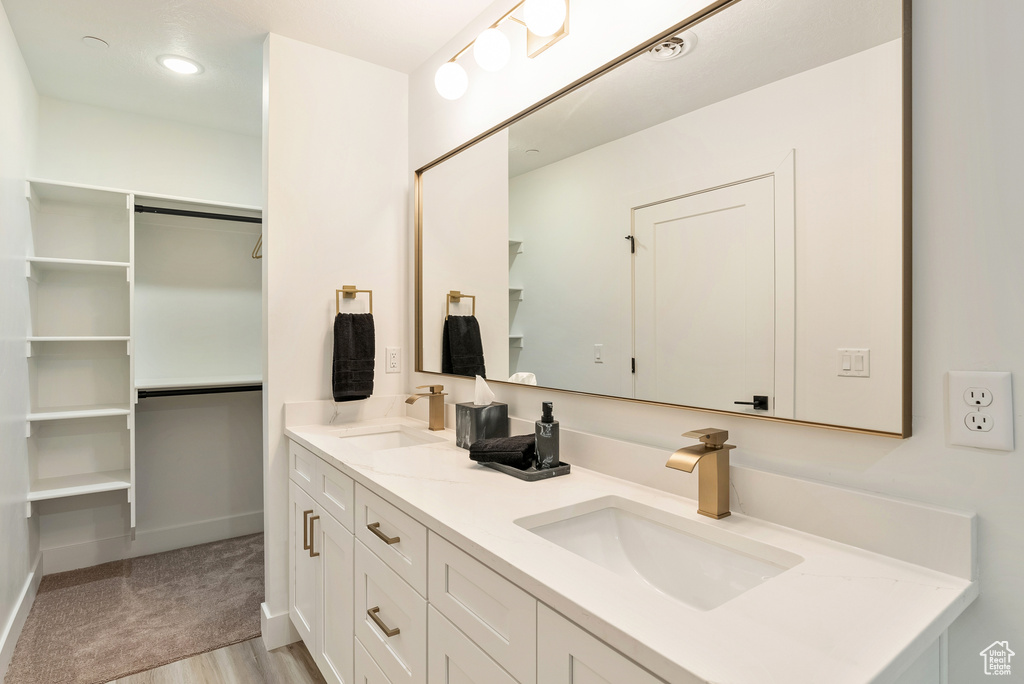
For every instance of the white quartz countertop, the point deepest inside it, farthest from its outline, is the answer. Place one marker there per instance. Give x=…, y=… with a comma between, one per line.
x=842, y=615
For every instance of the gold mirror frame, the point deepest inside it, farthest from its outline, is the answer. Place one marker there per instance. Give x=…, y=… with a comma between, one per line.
x=690, y=22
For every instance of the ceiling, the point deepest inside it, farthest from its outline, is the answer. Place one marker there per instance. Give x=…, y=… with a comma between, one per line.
x=748, y=45
x=225, y=36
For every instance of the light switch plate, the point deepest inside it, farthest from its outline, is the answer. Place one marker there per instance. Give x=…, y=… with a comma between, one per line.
x=853, y=363
x=996, y=430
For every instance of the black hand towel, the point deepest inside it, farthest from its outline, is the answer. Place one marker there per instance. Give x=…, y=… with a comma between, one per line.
x=354, y=346
x=462, y=351
x=511, y=451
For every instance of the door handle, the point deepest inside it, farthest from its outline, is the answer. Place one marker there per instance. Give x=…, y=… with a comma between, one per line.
x=312, y=539
x=305, y=529
x=760, y=402
x=375, y=528
x=388, y=631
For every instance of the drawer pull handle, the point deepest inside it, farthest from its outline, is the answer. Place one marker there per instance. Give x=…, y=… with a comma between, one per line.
x=375, y=528
x=305, y=529
x=312, y=538
x=388, y=632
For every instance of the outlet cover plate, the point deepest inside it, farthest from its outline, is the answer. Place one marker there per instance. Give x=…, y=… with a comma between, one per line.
x=1000, y=411
x=393, y=360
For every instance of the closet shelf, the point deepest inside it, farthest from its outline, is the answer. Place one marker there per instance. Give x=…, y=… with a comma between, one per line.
x=72, y=412
x=515, y=341
x=75, y=485
x=515, y=246
x=81, y=338
x=185, y=383
x=515, y=294
x=55, y=264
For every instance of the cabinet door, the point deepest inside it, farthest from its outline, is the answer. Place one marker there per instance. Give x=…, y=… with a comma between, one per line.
x=367, y=671
x=453, y=659
x=303, y=583
x=334, y=544
x=566, y=654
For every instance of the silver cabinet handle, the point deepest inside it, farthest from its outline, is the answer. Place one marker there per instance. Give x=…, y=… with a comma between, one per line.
x=375, y=528
x=388, y=632
x=311, y=537
x=305, y=529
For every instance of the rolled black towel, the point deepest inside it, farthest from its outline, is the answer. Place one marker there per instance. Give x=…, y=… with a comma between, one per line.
x=462, y=349
x=354, y=347
x=514, y=451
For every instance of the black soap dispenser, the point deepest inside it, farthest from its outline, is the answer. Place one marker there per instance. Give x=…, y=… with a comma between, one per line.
x=547, y=438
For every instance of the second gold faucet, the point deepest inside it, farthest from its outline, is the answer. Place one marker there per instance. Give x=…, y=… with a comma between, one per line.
x=436, y=395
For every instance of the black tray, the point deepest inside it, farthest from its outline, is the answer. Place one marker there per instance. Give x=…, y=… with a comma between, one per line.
x=532, y=473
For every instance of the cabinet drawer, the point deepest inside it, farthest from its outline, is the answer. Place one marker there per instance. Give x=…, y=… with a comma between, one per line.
x=367, y=671
x=567, y=654
x=378, y=523
x=493, y=612
x=302, y=466
x=454, y=659
x=335, y=492
x=402, y=656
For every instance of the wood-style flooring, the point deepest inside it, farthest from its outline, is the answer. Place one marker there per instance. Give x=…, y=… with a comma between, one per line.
x=248, y=662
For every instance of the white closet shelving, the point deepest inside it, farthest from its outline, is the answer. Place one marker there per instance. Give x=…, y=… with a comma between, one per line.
x=80, y=414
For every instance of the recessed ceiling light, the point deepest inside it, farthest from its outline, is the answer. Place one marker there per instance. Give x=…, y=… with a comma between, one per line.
x=93, y=41
x=673, y=48
x=180, y=65
x=532, y=152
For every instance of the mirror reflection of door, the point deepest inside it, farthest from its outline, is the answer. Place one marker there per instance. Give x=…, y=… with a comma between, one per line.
x=704, y=297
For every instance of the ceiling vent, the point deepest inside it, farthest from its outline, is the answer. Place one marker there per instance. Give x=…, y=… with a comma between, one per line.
x=673, y=48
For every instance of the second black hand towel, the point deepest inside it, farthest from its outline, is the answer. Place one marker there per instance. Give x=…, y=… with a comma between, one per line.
x=354, y=348
x=462, y=349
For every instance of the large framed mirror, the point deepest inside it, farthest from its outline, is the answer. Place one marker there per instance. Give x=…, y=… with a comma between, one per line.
x=718, y=220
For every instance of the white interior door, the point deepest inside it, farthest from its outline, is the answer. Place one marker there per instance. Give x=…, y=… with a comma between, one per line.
x=704, y=297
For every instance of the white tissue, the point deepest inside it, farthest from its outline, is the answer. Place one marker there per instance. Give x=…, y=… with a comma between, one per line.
x=524, y=378
x=482, y=394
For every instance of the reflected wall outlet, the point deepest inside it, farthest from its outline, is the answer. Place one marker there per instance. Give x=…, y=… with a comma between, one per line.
x=598, y=353
x=393, y=361
x=980, y=409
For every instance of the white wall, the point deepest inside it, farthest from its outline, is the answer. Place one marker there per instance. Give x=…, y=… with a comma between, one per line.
x=81, y=143
x=336, y=199
x=967, y=148
x=848, y=256
x=465, y=231
x=19, y=545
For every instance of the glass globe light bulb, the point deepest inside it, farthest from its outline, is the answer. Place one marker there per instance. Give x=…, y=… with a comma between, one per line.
x=451, y=81
x=492, y=50
x=544, y=17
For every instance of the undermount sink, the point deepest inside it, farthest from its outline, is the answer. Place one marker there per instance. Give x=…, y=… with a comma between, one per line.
x=695, y=563
x=381, y=438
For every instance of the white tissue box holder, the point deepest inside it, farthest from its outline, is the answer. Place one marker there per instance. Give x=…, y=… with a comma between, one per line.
x=473, y=422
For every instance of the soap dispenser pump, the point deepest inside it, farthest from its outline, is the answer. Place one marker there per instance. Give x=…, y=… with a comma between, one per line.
x=547, y=438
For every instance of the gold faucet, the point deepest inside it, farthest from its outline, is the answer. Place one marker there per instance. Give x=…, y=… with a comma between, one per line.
x=713, y=476
x=436, y=407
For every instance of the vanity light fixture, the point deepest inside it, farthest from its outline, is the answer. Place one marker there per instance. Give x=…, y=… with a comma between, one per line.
x=179, y=65
x=546, y=22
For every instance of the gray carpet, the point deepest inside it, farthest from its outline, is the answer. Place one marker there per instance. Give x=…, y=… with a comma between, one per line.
x=97, y=624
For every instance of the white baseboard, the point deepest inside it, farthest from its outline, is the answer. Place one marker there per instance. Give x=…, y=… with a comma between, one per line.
x=85, y=554
x=278, y=630
x=12, y=630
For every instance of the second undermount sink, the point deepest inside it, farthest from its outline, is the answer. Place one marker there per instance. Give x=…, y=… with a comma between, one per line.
x=383, y=437
x=698, y=564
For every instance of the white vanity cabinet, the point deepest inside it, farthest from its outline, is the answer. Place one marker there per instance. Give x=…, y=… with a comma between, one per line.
x=379, y=598
x=321, y=563
x=566, y=654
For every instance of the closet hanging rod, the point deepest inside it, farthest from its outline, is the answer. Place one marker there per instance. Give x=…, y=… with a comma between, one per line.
x=184, y=391
x=142, y=209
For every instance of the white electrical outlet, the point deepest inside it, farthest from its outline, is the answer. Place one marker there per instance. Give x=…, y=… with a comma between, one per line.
x=980, y=409
x=394, y=360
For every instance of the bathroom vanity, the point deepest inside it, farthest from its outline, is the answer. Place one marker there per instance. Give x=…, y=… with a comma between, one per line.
x=454, y=572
